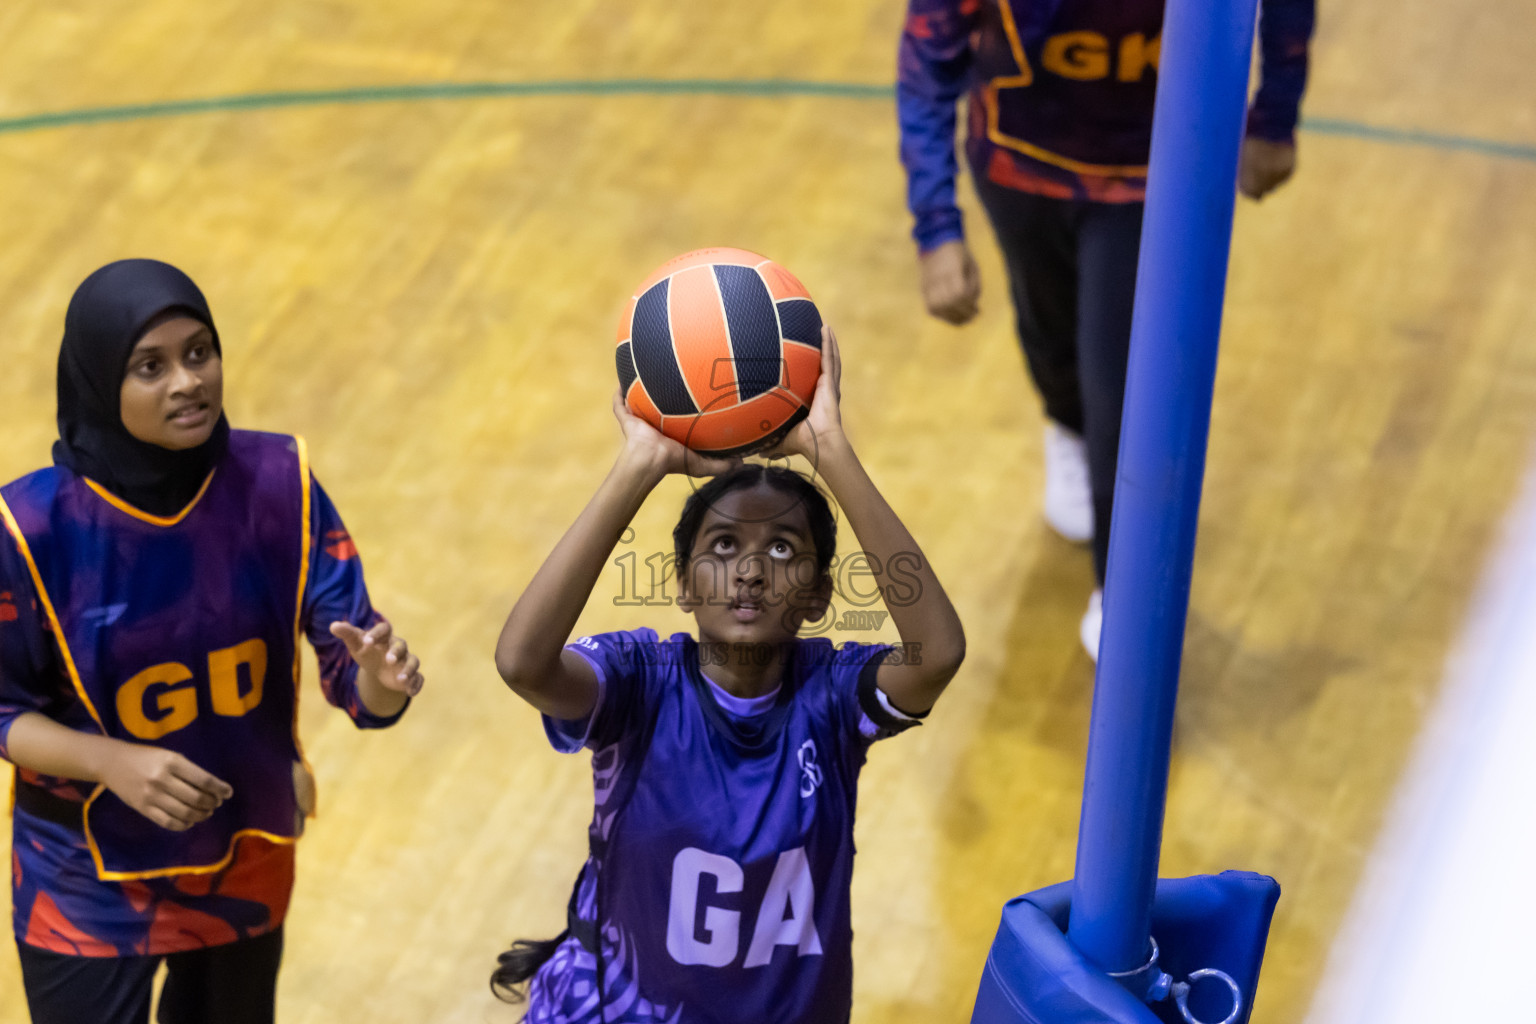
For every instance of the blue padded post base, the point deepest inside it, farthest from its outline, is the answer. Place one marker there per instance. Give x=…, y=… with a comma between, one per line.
x=1035, y=976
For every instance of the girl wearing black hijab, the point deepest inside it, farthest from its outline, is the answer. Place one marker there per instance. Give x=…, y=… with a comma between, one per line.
x=153, y=586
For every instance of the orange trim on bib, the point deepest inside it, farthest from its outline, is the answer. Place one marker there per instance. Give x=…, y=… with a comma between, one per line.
x=14, y=528
x=197, y=869
x=140, y=514
x=1023, y=78
x=53, y=616
x=996, y=136
x=298, y=613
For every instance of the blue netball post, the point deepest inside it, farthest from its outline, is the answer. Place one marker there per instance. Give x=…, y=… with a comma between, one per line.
x=1116, y=944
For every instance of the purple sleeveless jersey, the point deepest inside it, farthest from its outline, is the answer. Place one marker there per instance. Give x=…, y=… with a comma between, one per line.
x=1060, y=96
x=198, y=656
x=170, y=624
x=722, y=843
x=1070, y=84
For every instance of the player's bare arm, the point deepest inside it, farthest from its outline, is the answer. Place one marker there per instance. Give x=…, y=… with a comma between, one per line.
x=530, y=653
x=928, y=621
x=388, y=673
x=160, y=784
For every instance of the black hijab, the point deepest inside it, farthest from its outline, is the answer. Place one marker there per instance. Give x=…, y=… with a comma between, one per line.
x=107, y=316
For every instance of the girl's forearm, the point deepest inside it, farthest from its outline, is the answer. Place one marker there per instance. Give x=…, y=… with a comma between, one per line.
x=926, y=618
x=39, y=743
x=160, y=784
x=546, y=613
x=379, y=699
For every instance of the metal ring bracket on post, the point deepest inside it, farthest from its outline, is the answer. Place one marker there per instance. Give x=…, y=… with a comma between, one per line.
x=1181, y=995
x=1150, y=983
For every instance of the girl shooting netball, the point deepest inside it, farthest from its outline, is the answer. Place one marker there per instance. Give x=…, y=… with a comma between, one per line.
x=725, y=766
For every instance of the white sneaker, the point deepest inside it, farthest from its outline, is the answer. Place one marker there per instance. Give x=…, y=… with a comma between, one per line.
x=1068, y=494
x=1092, y=627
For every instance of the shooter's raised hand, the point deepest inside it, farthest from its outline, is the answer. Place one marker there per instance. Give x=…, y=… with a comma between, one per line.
x=825, y=419
x=660, y=452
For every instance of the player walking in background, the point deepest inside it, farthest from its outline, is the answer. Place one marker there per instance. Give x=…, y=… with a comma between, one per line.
x=725, y=769
x=153, y=585
x=1059, y=126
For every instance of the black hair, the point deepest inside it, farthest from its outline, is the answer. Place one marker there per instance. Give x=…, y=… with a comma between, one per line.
x=520, y=963
x=793, y=485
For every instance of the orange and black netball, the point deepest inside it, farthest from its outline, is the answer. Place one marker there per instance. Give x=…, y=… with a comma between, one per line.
x=720, y=349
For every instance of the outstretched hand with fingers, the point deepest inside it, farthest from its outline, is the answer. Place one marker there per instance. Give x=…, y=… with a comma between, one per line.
x=382, y=655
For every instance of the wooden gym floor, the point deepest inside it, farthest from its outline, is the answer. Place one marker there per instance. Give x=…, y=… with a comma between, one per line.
x=426, y=288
